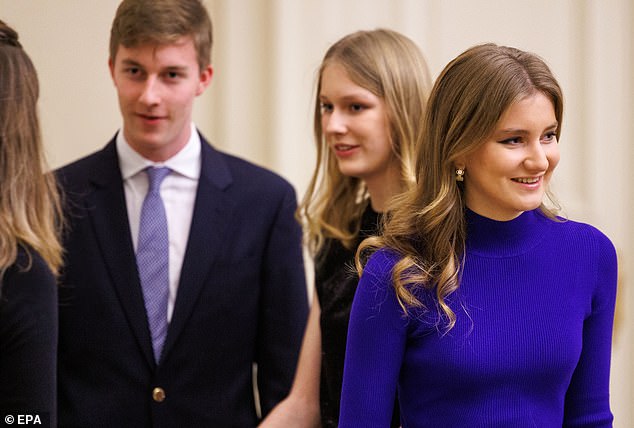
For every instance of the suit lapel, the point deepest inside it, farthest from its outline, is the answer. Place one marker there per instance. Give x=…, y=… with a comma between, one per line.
x=212, y=210
x=109, y=217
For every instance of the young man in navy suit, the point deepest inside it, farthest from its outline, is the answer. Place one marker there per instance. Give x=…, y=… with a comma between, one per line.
x=235, y=292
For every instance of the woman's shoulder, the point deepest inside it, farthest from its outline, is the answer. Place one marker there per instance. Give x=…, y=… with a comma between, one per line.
x=381, y=262
x=581, y=233
x=29, y=278
x=582, y=245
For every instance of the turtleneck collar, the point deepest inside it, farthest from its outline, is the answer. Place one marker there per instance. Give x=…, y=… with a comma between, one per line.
x=492, y=238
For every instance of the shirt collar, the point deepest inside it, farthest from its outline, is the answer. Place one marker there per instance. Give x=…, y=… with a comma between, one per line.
x=186, y=162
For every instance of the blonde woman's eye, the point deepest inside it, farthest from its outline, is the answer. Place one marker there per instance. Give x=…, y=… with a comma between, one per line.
x=511, y=141
x=550, y=137
x=325, y=107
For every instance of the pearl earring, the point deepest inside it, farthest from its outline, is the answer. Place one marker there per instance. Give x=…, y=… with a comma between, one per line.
x=459, y=174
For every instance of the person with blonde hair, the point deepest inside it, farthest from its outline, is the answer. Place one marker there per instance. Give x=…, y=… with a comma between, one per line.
x=479, y=306
x=30, y=249
x=372, y=88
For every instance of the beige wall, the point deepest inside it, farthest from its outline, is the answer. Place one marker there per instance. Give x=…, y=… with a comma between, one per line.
x=265, y=56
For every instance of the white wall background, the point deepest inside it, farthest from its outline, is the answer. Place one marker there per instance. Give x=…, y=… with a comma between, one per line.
x=265, y=55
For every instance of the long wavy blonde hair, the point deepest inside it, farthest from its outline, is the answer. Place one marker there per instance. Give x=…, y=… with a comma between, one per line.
x=427, y=223
x=30, y=213
x=392, y=67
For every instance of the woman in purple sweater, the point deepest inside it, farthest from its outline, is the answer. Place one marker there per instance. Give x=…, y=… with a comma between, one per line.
x=481, y=307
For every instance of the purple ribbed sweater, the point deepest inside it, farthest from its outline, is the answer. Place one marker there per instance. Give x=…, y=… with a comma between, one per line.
x=530, y=348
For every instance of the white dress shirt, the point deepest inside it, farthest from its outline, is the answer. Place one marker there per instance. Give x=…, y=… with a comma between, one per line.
x=178, y=191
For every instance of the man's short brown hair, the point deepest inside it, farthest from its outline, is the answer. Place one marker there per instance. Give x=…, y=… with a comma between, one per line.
x=162, y=22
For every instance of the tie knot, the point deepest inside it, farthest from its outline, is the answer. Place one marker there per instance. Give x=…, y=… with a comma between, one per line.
x=156, y=175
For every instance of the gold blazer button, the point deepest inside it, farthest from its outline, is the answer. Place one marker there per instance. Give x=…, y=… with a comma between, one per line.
x=158, y=394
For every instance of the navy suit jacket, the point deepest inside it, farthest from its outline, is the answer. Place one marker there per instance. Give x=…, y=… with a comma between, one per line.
x=241, y=300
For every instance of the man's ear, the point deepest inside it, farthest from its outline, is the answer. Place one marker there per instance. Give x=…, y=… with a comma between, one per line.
x=205, y=79
x=111, y=68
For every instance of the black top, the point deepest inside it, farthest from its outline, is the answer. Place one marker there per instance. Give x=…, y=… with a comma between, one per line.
x=28, y=339
x=336, y=282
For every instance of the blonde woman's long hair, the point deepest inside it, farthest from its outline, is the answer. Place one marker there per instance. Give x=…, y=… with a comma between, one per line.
x=427, y=224
x=30, y=212
x=392, y=67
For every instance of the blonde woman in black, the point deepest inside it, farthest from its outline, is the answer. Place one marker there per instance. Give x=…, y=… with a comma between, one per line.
x=372, y=90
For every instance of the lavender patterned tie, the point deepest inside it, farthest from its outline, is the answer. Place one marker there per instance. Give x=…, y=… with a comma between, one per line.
x=153, y=258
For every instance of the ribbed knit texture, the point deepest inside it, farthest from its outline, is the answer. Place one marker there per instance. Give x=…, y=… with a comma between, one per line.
x=531, y=345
